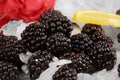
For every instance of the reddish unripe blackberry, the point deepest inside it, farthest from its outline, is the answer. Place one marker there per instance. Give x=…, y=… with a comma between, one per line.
x=58, y=44
x=80, y=62
x=38, y=63
x=81, y=43
x=8, y=71
x=65, y=73
x=55, y=21
x=89, y=29
x=10, y=48
x=34, y=36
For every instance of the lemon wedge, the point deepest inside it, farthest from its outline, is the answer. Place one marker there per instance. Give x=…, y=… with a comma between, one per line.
x=97, y=17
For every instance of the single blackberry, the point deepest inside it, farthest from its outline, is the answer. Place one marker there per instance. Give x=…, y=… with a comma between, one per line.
x=118, y=70
x=90, y=29
x=58, y=44
x=118, y=37
x=65, y=73
x=34, y=36
x=81, y=62
x=8, y=71
x=38, y=63
x=81, y=42
x=55, y=21
x=10, y=48
x=103, y=56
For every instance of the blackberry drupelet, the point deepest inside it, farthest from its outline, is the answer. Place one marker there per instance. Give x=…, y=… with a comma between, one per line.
x=38, y=63
x=10, y=48
x=81, y=43
x=90, y=29
x=118, y=70
x=8, y=71
x=34, y=36
x=118, y=36
x=55, y=21
x=81, y=62
x=103, y=56
x=65, y=73
x=58, y=44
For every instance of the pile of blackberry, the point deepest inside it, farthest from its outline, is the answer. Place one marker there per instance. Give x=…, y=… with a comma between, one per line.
x=52, y=33
x=34, y=36
x=8, y=71
x=102, y=52
x=90, y=51
x=38, y=63
x=10, y=48
x=65, y=73
x=55, y=21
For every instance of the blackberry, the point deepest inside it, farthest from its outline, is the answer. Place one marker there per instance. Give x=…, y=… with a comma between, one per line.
x=81, y=43
x=118, y=70
x=10, y=48
x=118, y=12
x=90, y=29
x=98, y=36
x=81, y=62
x=19, y=48
x=8, y=71
x=58, y=44
x=34, y=36
x=118, y=37
x=65, y=73
x=103, y=56
x=55, y=21
x=38, y=63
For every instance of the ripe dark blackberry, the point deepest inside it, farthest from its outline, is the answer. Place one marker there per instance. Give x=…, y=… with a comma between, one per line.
x=38, y=63
x=89, y=29
x=118, y=37
x=81, y=42
x=81, y=62
x=58, y=44
x=98, y=36
x=8, y=71
x=118, y=70
x=65, y=73
x=118, y=12
x=10, y=48
x=55, y=21
x=34, y=36
x=103, y=56
x=19, y=48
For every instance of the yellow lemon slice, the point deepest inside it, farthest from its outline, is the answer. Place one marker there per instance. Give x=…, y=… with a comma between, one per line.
x=97, y=17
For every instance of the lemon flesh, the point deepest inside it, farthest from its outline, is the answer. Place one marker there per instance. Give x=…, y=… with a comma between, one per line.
x=97, y=17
